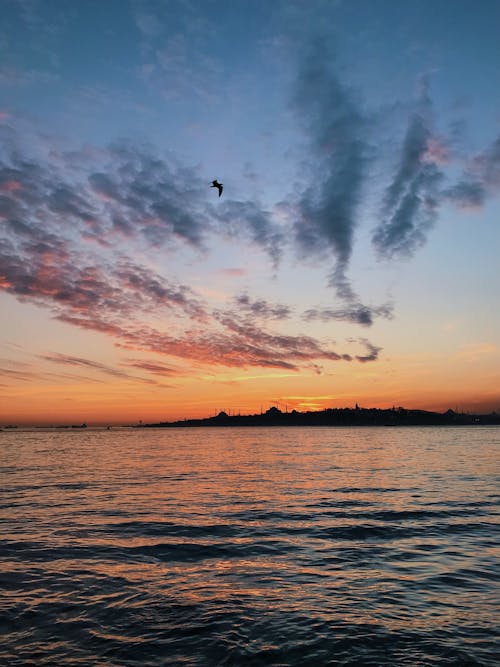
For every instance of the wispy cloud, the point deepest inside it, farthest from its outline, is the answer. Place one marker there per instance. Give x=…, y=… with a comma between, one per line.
x=372, y=352
x=47, y=272
x=261, y=347
x=233, y=272
x=228, y=341
x=134, y=194
x=15, y=371
x=467, y=193
x=144, y=193
x=262, y=308
x=355, y=313
x=480, y=180
x=333, y=181
x=16, y=374
x=50, y=206
x=14, y=76
x=81, y=362
x=176, y=58
x=151, y=291
x=154, y=367
x=247, y=219
x=96, y=288
x=410, y=203
x=120, y=193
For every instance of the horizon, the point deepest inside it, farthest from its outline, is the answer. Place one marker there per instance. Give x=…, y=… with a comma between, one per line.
x=352, y=256
x=51, y=423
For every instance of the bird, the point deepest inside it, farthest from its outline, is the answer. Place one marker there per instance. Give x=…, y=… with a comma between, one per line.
x=216, y=184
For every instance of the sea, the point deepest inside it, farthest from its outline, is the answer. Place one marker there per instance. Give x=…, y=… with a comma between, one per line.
x=249, y=546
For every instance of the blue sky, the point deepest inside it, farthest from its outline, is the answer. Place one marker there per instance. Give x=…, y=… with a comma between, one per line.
x=352, y=256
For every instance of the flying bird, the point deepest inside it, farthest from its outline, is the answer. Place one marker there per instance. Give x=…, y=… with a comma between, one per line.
x=216, y=184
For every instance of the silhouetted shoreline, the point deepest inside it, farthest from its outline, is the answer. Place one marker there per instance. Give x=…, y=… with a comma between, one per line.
x=340, y=417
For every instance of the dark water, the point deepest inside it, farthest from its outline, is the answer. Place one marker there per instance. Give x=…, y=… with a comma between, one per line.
x=326, y=546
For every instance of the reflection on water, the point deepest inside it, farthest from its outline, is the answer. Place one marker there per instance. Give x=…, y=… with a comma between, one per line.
x=299, y=546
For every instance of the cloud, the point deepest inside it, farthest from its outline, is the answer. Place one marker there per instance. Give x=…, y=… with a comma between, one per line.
x=467, y=194
x=49, y=273
x=23, y=372
x=234, y=343
x=437, y=152
x=155, y=292
x=372, y=352
x=132, y=194
x=42, y=259
x=12, y=373
x=480, y=180
x=335, y=126
x=262, y=308
x=143, y=192
x=14, y=76
x=148, y=23
x=233, y=272
x=65, y=201
x=261, y=347
x=489, y=164
x=112, y=299
x=67, y=360
x=177, y=60
x=410, y=203
x=54, y=205
x=246, y=218
x=355, y=313
x=135, y=193
x=154, y=367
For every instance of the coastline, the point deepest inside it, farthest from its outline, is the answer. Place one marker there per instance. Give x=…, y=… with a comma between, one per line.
x=338, y=417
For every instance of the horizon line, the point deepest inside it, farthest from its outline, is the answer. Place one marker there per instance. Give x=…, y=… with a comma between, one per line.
x=273, y=410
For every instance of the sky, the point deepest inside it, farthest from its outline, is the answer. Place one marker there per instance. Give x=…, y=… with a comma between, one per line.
x=353, y=254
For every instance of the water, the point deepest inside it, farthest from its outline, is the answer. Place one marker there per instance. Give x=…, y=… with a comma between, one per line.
x=299, y=546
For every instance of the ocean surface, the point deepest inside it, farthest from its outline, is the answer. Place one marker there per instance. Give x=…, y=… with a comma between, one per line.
x=227, y=546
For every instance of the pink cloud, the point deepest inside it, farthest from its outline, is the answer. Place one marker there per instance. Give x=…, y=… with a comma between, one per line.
x=233, y=272
x=436, y=152
x=10, y=186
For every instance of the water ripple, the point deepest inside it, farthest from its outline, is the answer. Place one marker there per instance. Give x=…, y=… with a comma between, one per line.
x=250, y=547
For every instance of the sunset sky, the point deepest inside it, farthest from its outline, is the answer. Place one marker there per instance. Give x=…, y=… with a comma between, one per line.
x=352, y=258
